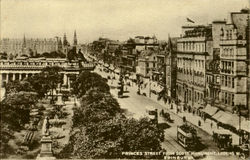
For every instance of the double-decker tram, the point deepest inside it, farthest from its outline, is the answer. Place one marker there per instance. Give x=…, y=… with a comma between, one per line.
x=223, y=138
x=187, y=136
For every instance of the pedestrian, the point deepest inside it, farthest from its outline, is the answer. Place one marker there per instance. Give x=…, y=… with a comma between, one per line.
x=211, y=124
x=199, y=123
x=184, y=119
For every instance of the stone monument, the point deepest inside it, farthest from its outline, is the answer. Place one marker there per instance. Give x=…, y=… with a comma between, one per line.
x=46, y=148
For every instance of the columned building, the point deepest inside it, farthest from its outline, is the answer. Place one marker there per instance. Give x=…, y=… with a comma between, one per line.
x=11, y=70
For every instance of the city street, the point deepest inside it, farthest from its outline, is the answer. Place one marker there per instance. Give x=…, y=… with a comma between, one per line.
x=136, y=107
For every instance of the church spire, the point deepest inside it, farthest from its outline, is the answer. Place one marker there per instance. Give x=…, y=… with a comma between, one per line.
x=75, y=39
x=24, y=41
x=65, y=42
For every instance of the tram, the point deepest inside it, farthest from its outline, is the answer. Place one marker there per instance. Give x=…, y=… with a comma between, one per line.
x=223, y=138
x=187, y=136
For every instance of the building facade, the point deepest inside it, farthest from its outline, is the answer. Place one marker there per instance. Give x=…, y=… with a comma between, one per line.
x=20, y=46
x=193, y=50
x=234, y=61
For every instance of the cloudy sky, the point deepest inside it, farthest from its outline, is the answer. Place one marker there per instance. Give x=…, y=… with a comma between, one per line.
x=116, y=19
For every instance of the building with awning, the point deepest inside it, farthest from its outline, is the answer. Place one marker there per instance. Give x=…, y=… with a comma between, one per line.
x=245, y=125
x=209, y=110
x=232, y=120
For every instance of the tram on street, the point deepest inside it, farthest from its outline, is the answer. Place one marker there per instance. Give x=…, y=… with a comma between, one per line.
x=223, y=139
x=187, y=136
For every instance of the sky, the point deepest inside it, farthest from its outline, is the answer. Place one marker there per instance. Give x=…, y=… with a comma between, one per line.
x=114, y=19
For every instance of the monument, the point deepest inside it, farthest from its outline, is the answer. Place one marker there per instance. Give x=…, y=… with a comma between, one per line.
x=46, y=148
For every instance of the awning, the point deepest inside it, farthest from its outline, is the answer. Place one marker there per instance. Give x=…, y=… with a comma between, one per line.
x=210, y=110
x=222, y=131
x=245, y=125
x=227, y=118
x=218, y=115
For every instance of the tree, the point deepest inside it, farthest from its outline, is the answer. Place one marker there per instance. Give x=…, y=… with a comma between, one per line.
x=52, y=77
x=17, y=86
x=97, y=102
x=102, y=131
x=14, y=113
x=18, y=104
x=72, y=54
x=88, y=80
x=3, y=55
x=39, y=84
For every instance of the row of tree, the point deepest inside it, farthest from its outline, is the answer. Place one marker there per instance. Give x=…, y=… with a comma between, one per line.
x=21, y=97
x=100, y=127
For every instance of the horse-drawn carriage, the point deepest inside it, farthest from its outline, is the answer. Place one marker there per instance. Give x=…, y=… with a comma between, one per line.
x=166, y=116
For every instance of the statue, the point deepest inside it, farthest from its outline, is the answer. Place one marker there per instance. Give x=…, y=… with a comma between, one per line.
x=47, y=125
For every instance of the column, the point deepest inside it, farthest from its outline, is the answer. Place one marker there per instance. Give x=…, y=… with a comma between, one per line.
x=64, y=79
x=14, y=76
x=68, y=80
x=7, y=77
x=20, y=76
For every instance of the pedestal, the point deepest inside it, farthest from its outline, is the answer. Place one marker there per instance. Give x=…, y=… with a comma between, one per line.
x=46, y=149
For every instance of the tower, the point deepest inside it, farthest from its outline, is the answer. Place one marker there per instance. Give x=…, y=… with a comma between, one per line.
x=59, y=44
x=75, y=39
x=24, y=42
x=65, y=42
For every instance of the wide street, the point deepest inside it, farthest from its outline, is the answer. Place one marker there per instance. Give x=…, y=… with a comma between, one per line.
x=136, y=107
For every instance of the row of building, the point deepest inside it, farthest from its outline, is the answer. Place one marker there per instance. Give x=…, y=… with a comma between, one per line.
x=206, y=65
x=18, y=47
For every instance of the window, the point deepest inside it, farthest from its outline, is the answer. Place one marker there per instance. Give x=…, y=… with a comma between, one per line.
x=232, y=67
x=232, y=99
x=232, y=82
x=222, y=80
x=226, y=81
x=195, y=96
x=226, y=98
x=189, y=95
x=222, y=96
x=229, y=81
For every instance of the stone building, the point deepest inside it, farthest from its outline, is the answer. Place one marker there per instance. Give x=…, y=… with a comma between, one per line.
x=28, y=46
x=193, y=50
x=23, y=46
x=234, y=57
